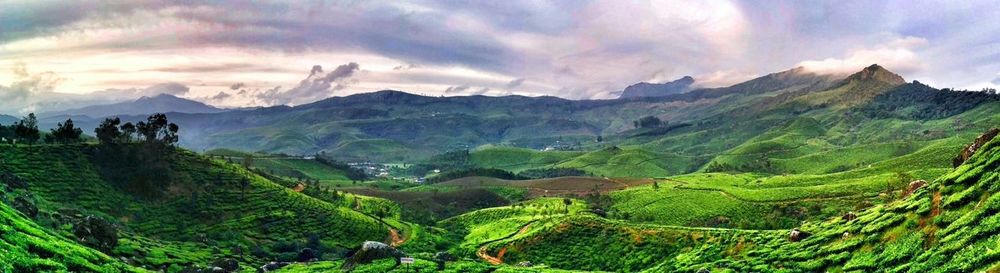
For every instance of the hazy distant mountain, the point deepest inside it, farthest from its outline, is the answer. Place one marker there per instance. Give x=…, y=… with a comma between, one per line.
x=645, y=89
x=162, y=103
x=8, y=119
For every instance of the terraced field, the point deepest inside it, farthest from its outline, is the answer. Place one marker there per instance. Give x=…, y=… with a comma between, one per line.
x=213, y=209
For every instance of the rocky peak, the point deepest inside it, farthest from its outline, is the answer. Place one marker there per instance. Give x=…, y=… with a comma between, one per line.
x=876, y=72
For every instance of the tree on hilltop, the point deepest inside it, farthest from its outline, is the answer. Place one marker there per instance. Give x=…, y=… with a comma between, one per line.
x=66, y=132
x=26, y=130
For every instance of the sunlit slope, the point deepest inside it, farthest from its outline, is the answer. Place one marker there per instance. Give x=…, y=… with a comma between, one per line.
x=28, y=247
x=947, y=226
x=210, y=209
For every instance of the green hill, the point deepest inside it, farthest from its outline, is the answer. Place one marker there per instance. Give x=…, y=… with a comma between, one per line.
x=209, y=210
x=28, y=247
x=946, y=225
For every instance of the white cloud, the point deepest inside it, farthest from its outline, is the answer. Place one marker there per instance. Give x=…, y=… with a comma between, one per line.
x=897, y=55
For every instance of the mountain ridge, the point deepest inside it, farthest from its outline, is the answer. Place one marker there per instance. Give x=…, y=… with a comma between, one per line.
x=162, y=103
x=646, y=89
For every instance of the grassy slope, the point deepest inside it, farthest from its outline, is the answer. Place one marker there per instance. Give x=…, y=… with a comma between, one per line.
x=28, y=247
x=948, y=226
x=205, y=216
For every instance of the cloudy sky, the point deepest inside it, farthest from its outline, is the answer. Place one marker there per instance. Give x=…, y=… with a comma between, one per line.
x=56, y=54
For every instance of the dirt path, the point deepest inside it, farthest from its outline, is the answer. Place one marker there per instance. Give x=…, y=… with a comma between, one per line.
x=299, y=188
x=395, y=239
x=483, y=253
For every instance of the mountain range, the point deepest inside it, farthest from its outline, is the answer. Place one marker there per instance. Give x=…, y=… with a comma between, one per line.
x=162, y=103
x=398, y=126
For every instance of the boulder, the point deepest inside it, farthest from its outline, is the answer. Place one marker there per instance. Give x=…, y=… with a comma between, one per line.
x=25, y=206
x=272, y=266
x=798, y=235
x=227, y=265
x=308, y=255
x=96, y=232
x=974, y=146
x=849, y=216
x=13, y=181
x=525, y=264
x=444, y=256
x=370, y=251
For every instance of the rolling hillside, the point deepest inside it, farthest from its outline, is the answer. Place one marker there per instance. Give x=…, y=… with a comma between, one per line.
x=210, y=209
x=943, y=226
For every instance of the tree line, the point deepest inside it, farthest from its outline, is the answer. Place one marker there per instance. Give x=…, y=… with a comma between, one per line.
x=26, y=131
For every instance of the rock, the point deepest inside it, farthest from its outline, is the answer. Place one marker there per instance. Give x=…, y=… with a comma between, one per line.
x=97, y=233
x=227, y=265
x=849, y=216
x=599, y=212
x=974, y=146
x=914, y=186
x=25, y=206
x=371, y=251
x=272, y=266
x=798, y=235
x=444, y=256
x=308, y=255
x=704, y=270
x=13, y=181
x=525, y=264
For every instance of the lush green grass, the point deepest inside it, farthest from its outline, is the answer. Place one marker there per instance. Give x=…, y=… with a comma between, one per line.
x=420, y=265
x=206, y=214
x=301, y=168
x=488, y=225
x=28, y=247
x=517, y=159
x=947, y=226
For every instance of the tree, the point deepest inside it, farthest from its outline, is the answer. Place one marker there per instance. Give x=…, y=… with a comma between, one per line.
x=107, y=132
x=157, y=129
x=66, y=132
x=128, y=131
x=27, y=129
x=248, y=161
x=567, y=202
x=649, y=122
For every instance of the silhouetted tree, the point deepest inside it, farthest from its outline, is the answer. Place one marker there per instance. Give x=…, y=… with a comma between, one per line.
x=107, y=132
x=26, y=130
x=66, y=132
x=128, y=131
x=157, y=129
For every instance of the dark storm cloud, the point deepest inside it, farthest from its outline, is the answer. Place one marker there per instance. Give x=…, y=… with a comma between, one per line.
x=315, y=87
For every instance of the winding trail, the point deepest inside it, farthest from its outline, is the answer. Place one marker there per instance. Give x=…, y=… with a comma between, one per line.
x=483, y=253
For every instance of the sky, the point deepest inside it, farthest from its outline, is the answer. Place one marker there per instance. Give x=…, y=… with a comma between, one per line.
x=62, y=54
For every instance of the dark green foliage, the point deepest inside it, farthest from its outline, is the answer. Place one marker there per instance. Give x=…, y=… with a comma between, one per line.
x=26, y=130
x=97, y=233
x=66, y=133
x=921, y=102
x=648, y=122
x=551, y=172
x=486, y=172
